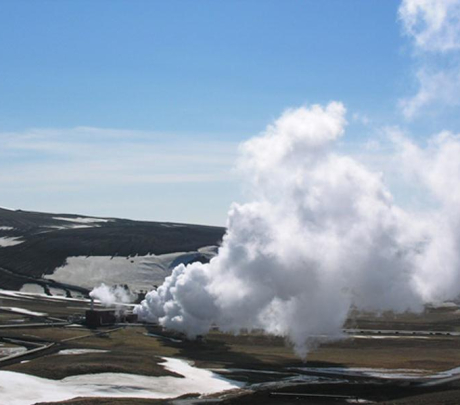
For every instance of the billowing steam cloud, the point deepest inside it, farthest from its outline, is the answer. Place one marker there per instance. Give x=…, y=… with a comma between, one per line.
x=322, y=234
x=112, y=296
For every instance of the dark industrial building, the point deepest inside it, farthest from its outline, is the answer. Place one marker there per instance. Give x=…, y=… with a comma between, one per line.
x=96, y=318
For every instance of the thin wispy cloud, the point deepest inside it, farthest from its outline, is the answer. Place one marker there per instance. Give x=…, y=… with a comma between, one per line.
x=81, y=157
x=433, y=27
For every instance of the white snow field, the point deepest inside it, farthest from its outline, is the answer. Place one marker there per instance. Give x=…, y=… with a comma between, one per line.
x=139, y=272
x=24, y=389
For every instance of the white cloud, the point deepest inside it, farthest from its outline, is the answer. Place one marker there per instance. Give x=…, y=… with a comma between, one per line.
x=434, y=25
x=434, y=28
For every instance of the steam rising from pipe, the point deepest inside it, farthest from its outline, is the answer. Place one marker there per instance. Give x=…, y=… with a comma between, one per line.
x=112, y=296
x=321, y=234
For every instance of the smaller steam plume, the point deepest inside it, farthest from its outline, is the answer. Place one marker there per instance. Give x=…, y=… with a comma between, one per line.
x=112, y=296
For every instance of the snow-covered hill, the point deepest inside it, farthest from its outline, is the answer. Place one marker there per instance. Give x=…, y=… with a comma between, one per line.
x=76, y=252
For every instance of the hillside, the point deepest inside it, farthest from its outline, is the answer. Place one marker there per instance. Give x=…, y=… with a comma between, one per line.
x=33, y=245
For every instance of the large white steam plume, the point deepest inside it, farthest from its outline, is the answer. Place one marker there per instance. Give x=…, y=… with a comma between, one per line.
x=321, y=234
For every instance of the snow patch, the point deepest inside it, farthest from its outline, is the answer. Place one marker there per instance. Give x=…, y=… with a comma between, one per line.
x=11, y=350
x=24, y=389
x=5, y=241
x=71, y=227
x=23, y=311
x=82, y=220
x=448, y=373
x=72, y=352
x=32, y=288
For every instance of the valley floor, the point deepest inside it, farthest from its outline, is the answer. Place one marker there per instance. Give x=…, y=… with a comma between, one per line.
x=385, y=359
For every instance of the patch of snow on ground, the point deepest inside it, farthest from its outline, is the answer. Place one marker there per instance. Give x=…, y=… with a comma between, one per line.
x=72, y=352
x=23, y=311
x=56, y=292
x=6, y=241
x=6, y=228
x=448, y=373
x=32, y=288
x=72, y=226
x=24, y=389
x=82, y=220
x=10, y=350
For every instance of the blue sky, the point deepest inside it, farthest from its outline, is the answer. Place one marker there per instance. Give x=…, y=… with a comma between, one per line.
x=136, y=108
